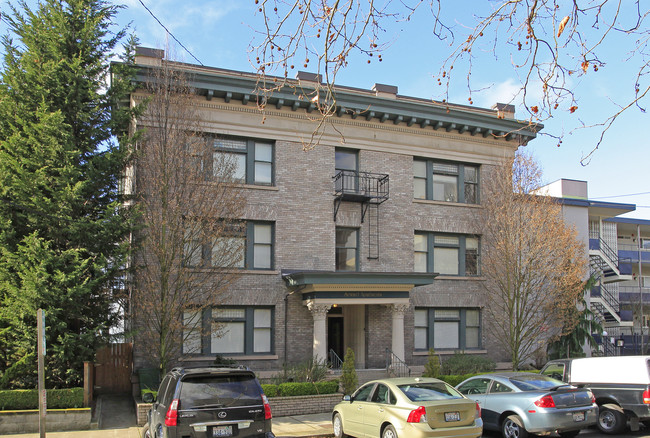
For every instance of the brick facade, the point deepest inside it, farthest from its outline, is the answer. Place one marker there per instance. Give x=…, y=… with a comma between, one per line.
x=300, y=205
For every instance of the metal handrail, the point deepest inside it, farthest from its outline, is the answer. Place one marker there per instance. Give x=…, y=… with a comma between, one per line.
x=373, y=185
x=608, y=252
x=335, y=361
x=396, y=365
x=610, y=298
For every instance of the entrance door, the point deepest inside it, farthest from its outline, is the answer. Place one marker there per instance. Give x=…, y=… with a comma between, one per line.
x=335, y=335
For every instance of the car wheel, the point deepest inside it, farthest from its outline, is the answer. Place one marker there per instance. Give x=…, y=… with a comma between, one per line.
x=146, y=433
x=513, y=427
x=569, y=434
x=337, y=425
x=611, y=419
x=389, y=432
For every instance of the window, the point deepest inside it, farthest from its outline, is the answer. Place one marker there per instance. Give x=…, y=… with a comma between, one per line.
x=347, y=165
x=445, y=329
x=241, y=160
x=191, y=331
x=246, y=245
x=445, y=181
x=446, y=254
x=347, y=245
x=232, y=330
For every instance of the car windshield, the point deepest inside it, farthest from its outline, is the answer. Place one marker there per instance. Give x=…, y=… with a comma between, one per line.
x=219, y=391
x=535, y=382
x=427, y=391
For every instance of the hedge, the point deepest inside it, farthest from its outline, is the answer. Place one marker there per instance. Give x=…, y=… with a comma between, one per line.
x=303, y=388
x=22, y=399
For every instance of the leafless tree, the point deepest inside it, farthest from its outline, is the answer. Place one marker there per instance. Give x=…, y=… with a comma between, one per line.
x=190, y=243
x=533, y=262
x=549, y=44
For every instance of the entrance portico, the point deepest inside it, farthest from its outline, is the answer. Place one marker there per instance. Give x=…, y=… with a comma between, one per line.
x=354, y=292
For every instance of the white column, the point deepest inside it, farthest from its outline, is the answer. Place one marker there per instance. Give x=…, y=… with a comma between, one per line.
x=398, y=311
x=319, y=313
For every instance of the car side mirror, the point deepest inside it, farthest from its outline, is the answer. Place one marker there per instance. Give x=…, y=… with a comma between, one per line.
x=347, y=398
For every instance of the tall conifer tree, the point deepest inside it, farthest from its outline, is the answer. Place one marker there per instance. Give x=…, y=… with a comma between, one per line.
x=62, y=231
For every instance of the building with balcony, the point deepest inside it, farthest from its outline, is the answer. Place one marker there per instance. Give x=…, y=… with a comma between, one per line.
x=619, y=257
x=368, y=241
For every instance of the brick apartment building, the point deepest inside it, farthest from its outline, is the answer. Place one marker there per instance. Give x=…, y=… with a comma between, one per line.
x=370, y=243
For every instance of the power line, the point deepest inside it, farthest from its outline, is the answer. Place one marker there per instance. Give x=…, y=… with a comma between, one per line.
x=168, y=32
x=622, y=196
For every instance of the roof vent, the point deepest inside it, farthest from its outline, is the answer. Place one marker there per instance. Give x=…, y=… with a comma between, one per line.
x=504, y=110
x=382, y=90
x=308, y=77
x=148, y=56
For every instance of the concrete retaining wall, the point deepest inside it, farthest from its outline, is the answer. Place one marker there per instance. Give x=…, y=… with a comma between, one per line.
x=56, y=420
x=280, y=406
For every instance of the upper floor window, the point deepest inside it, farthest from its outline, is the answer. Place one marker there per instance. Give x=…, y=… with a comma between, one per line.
x=247, y=245
x=242, y=160
x=446, y=254
x=347, y=163
x=445, y=181
x=347, y=248
x=447, y=328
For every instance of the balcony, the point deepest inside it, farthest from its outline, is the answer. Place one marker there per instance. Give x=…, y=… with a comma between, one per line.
x=362, y=187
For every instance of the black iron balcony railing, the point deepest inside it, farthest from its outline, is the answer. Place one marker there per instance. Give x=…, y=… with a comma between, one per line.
x=361, y=186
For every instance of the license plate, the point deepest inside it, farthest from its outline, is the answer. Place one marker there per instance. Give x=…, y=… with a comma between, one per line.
x=452, y=416
x=579, y=416
x=220, y=431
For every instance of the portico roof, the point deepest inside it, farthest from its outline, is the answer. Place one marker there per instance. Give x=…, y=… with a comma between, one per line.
x=378, y=287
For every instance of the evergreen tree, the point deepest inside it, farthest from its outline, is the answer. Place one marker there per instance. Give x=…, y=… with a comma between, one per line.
x=349, y=378
x=62, y=231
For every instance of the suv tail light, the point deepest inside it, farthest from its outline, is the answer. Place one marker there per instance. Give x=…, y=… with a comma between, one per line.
x=267, y=408
x=478, y=411
x=171, y=417
x=545, y=402
x=593, y=397
x=646, y=396
x=418, y=415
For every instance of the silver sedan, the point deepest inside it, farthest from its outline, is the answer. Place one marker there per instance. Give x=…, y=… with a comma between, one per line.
x=521, y=403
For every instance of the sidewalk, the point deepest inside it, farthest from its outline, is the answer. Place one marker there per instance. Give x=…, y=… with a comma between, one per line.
x=316, y=425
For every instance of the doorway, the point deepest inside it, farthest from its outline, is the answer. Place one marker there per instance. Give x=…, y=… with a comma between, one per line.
x=335, y=332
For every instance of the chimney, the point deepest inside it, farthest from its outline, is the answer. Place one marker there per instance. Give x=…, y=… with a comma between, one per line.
x=382, y=90
x=504, y=110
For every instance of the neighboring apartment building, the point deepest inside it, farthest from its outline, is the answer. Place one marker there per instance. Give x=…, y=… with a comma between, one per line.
x=619, y=256
x=367, y=241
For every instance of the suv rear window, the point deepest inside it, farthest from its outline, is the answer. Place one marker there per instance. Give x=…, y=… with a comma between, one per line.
x=220, y=391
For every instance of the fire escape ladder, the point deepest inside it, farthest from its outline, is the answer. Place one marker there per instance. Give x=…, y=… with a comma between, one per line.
x=373, y=230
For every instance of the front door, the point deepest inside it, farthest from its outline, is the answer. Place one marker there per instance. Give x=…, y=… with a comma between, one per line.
x=335, y=335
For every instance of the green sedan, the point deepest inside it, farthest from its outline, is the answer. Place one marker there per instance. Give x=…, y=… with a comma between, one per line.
x=413, y=407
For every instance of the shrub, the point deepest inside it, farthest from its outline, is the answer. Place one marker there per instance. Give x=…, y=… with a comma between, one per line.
x=291, y=389
x=308, y=371
x=270, y=390
x=28, y=399
x=454, y=380
x=461, y=363
x=432, y=367
x=349, y=378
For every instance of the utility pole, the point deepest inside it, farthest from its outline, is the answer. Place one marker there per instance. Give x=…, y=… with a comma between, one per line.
x=42, y=395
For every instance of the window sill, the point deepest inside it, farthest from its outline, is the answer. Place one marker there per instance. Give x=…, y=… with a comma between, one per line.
x=452, y=204
x=233, y=357
x=449, y=352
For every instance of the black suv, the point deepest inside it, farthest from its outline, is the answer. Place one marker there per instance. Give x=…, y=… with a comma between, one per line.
x=209, y=403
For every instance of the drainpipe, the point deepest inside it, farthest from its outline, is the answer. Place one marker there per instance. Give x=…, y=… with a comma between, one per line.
x=638, y=245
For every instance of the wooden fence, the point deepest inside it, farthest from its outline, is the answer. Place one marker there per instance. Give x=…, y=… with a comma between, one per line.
x=113, y=368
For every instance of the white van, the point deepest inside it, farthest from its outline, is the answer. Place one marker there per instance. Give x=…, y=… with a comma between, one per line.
x=621, y=385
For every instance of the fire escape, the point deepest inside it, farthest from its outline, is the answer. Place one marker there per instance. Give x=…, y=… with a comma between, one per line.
x=604, y=264
x=368, y=189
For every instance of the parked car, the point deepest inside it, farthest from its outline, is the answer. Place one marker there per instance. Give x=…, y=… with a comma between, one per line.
x=407, y=407
x=621, y=385
x=209, y=402
x=521, y=403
